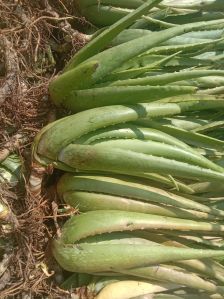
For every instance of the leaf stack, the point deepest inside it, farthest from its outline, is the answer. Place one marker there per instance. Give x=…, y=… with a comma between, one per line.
x=143, y=155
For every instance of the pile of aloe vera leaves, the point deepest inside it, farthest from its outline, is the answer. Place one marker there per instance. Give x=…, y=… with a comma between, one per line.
x=142, y=152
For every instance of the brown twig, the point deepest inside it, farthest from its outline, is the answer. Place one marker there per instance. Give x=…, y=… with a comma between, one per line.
x=12, y=68
x=66, y=26
x=55, y=216
x=12, y=144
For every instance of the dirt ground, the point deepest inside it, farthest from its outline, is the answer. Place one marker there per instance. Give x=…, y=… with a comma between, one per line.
x=36, y=40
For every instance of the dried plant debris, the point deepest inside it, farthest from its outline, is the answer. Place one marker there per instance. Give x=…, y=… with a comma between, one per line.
x=36, y=40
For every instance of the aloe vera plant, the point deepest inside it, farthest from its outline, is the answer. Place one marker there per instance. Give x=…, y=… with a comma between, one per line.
x=10, y=170
x=207, y=4
x=88, y=78
x=10, y=176
x=120, y=287
x=4, y=211
x=107, y=12
x=168, y=12
x=121, y=192
x=123, y=289
x=82, y=248
x=113, y=286
x=143, y=153
x=125, y=196
x=139, y=154
x=122, y=221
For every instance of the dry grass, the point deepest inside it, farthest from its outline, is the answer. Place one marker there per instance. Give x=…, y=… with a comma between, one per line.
x=36, y=39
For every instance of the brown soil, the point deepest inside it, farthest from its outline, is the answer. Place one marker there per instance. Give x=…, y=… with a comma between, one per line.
x=37, y=37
